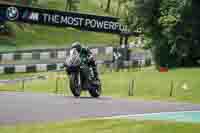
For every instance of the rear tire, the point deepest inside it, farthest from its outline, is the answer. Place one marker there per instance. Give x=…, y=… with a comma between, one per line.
x=74, y=85
x=96, y=90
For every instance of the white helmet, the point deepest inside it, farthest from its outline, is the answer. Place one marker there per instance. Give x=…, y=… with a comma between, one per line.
x=77, y=46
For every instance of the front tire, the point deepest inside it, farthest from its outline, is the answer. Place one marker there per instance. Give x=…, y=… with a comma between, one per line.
x=74, y=85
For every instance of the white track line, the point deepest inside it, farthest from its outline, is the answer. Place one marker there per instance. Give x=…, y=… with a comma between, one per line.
x=140, y=115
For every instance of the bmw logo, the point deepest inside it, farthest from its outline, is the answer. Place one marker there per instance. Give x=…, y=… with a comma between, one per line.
x=12, y=13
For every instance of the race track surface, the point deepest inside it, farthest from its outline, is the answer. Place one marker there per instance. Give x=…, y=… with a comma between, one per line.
x=19, y=108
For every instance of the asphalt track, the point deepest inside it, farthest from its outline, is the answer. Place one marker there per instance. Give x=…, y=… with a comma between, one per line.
x=20, y=108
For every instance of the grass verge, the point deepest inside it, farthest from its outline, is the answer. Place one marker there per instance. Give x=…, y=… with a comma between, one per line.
x=104, y=126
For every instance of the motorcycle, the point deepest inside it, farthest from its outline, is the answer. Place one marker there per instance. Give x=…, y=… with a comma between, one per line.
x=81, y=76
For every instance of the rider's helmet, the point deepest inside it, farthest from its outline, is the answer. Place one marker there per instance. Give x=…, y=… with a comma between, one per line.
x=77, y=46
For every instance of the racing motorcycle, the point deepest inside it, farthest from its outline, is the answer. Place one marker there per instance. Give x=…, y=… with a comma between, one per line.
x=81, y=76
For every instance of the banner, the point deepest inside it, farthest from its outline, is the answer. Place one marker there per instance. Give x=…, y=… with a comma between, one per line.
x=61, y=19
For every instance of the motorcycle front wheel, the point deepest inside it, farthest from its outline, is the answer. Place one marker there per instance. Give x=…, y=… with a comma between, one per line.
x=75, y=84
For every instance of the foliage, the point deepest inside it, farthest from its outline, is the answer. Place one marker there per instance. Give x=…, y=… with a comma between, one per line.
x=120, y=3
x=71, y=5
x=108, y=5
x=167, y=23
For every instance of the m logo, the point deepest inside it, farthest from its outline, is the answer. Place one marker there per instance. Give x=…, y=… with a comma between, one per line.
x=12, y=13
x=34, y=16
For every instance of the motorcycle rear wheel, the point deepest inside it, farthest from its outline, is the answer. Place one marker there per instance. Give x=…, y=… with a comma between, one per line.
x=96, y=90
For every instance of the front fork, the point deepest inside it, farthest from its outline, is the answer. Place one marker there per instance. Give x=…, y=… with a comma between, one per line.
x=77, y=77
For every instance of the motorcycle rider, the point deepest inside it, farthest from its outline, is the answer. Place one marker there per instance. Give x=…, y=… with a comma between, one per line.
x=86, y=56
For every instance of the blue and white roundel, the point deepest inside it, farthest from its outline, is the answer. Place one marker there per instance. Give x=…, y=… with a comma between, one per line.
x=12, y=13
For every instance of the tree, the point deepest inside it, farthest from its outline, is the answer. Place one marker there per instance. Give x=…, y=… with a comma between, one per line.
x=119, y=5
x=168, y=24
x=71, y=5
x=108, y=6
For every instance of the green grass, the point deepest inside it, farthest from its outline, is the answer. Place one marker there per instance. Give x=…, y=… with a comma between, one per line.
x=104, y=126
x=35, y=36
x=150, y=84
x=155, y=85
x=51, y=37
